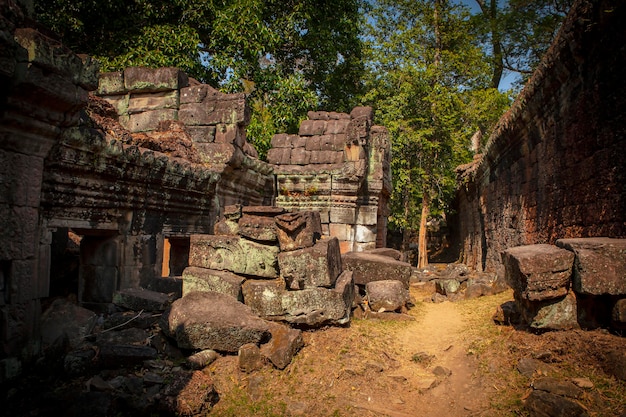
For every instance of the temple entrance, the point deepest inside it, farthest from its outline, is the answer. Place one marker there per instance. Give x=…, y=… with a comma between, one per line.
x=175, y=256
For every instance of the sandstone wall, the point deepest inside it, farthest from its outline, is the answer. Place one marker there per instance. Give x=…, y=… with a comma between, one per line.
x=338, y=165
x=555, y=167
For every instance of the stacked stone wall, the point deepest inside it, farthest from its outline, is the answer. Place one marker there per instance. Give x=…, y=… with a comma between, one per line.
x=338, y=165
x=555, y=166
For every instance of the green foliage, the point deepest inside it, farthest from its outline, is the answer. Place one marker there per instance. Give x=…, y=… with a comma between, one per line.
x=429, y=83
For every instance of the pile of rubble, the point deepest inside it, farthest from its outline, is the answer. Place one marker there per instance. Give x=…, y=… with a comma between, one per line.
x=579, y=283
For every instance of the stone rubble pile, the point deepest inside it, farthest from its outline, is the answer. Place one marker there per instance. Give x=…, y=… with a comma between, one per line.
x=579, y=283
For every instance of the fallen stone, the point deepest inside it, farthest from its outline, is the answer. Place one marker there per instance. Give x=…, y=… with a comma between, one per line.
x=250, y=358
x=210, y=280
x=584, y=383
x=386, y=295
x=389, y=252
x=258, y=228
x=234, y=254
x=202, y=359
x=618, y=315
x=264, y=297
x=559, y=314
x=616, y=364
x=532, y=368
x=538, y=272
x=368, y=268
x=447, y=286
x=600, y=265
x=456, y=271
x=79, y=362
x=265, y=211
x=129, y=356
x=190, y=394
x=507, y=313
x=315, y=266
x=545, y=404
x=64, y=319
x=130, y=336
x=141, y=299
x=438, y=298
x=213, y=321
x=298, y=230
x=283, y=345
x=557, y=386
x=226, y=227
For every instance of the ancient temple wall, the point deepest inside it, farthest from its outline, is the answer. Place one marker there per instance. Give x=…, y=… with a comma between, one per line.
x=555, y=166
x=338, y=165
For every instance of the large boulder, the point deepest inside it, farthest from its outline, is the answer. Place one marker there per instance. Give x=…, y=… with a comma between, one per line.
x=235, y=254
x=368, y=268
x=209, y=320
x=315, y=266
x=386, y=295
x=600, y=266
x=538, y=272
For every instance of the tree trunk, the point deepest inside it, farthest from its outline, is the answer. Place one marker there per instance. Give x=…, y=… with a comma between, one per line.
x=422, y=259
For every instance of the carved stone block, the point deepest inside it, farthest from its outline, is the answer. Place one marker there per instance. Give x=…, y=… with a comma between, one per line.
x=298, y=230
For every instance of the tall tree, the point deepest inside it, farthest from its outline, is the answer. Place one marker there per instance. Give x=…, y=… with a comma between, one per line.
x=426, y=74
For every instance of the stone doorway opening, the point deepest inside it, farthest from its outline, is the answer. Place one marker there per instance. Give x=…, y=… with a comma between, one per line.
x=175, y=256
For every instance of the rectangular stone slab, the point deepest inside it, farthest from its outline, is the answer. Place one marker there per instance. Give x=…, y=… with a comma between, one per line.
x=210, y=280
x=600, y=265
x=538, y=272
x=317, y=266
x=367, y=268
x=258, y=228
x=234, y=254
x=298, y=230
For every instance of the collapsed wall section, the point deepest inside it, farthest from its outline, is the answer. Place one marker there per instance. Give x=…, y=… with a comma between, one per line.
x=555, y=167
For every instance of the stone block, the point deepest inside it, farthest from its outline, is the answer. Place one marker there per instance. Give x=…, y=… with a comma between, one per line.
x=281, y=140
x=234, y=254
x=141, y=299
x=358, y=130
x=264, y=297
x=210, y=280
x=149, y=120
x=264, y=211
x=317, y=115
x=231, y=134
x=389, y=252
x=552, y=314
x=336, y=127
x=316, y=266
x=209, y=320
x=541, y=403
x=298, y=230
x=367, y=215
x=279, y=156
x=250, y=358
x=367, y=268
x=538, y=272
x=600, y=265
x=322, y=157
x=198, y=93
x=339, y=158
x=363, y=246
x=260, y=228
x=341, y=231
x=314, y=307
x=363, y=111
x=312, y=127
x=346, y=246
x=338, y=116
x=618, y=315
x=111, y=83
x=119, y=102
x=313, y=144
x=386, y=295
x=64, y=319
x=365, y=234
x=226, y=227
x=298, y=141
x=299, y=156
x=141, y=79
x=346, y=215
x=141, y=102
x=220, y=153
x=202, y=134
x=283, y=345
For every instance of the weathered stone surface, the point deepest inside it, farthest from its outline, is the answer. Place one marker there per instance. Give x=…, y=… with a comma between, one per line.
x=64, y=319
x=265, y=211
x=127, y=319
x=234, y=254
x=447, y=286
x=111, y=83
x=298, y=230
x=389, y=252
x=226, y=227
x=600, y=266
x=250, y=358
x=202, y=359
x=316, y=266
x=618, y=316
x=189, y=394
x=283, y=345
x=140, y=102
x=553, y=314
x=507, y=313
x=259, y=228
x=557, y=386
x=210, y=280
x=264, y=297
x=386, y=295
x=141, y=299
x=544, y=404
x=141, y=79
x=538, y=272
x=213, y=321
x=532, y=368
x=616, y=364
x=367, y=268
x=128, y=347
